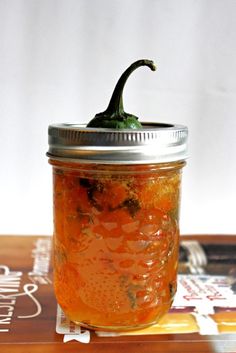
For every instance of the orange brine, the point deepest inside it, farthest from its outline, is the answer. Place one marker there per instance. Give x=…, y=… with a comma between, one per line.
x=116, y=238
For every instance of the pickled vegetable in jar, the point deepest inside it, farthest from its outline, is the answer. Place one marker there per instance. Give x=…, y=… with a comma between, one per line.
x=116, y=219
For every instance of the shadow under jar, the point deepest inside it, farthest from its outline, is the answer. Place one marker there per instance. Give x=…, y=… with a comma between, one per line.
x=116, y=222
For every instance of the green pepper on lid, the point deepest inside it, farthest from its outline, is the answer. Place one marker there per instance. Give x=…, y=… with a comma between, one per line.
x=114, y=116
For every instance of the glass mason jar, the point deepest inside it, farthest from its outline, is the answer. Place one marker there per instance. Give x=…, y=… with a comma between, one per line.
x=116, y=222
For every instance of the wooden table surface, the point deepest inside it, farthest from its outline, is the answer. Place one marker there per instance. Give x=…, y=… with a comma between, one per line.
x=24, y=327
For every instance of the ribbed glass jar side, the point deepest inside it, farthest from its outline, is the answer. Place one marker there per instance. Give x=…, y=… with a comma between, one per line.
x=116, y=237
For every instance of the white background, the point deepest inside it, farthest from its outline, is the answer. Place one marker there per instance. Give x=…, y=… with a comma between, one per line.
x=59, y=62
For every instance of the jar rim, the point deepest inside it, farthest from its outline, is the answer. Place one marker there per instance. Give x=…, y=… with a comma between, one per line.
x=154, y=143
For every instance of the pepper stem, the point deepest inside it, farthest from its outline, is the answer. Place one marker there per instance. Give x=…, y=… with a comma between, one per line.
x=115, y=116
x=116, y=103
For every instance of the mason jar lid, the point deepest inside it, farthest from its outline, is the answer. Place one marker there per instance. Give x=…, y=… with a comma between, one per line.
x=154, y=143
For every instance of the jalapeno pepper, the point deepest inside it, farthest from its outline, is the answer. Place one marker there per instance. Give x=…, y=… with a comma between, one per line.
x=114, y=116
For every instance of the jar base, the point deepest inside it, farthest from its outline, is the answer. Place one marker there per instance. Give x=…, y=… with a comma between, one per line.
x=117, y=328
